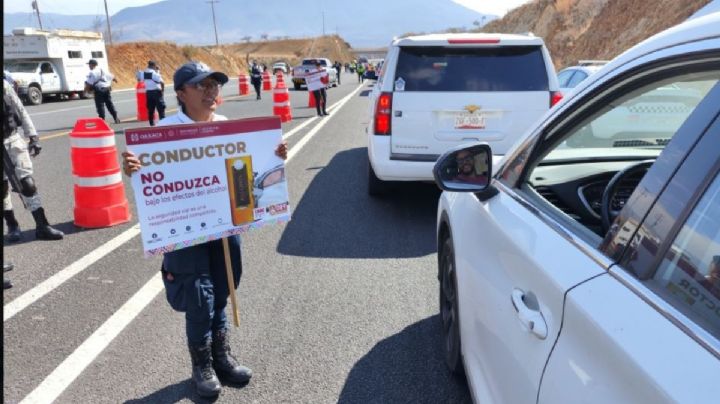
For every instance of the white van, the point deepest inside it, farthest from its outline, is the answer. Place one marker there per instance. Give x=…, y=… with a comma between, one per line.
x=46, y=63
x=442, y=90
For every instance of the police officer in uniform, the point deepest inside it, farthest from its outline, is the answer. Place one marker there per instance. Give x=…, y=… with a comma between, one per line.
x=154, y=90
x=99, y=82
x=14, y=116
x=256, y=72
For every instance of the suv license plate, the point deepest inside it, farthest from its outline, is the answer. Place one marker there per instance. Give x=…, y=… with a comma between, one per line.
x=468, y=120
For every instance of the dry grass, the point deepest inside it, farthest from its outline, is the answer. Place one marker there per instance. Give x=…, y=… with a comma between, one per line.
x=126, y=58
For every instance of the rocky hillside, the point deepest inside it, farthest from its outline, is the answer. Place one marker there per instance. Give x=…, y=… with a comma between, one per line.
x=593, y=29
x=126, y=58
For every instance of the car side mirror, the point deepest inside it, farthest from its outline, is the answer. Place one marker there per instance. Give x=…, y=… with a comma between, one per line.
x=464, y=169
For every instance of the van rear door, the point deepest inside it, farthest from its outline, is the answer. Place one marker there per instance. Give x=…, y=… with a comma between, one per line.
x=448, y=95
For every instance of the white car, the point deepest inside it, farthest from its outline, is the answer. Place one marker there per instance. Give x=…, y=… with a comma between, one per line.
x=583, y=270
x=441, y=90
x=280, y=67
x=570, y=77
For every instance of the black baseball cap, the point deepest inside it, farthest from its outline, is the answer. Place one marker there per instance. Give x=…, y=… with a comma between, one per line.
x=152, y=63
x=195, y=72
x=92, y=62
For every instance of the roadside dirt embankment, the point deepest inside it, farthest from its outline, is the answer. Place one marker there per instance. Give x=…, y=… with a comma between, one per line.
x=593, y=29
x=126, y=58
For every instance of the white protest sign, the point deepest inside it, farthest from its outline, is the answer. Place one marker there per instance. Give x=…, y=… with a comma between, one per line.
x=313, y=80
x=206, y=181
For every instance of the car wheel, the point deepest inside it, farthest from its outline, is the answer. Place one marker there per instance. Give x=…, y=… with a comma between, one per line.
x=376, y=186
x=34, y=96
x=449, y=309
x=297, y=86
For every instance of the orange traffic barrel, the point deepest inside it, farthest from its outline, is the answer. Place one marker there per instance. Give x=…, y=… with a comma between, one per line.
x=267, y=81
x=243, y=84
x=141, y=98
x=281, y=101
x=99, y=192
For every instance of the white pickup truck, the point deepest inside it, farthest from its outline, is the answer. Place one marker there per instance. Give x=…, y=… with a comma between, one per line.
x=307, y=65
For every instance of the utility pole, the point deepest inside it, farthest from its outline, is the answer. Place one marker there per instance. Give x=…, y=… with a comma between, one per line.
x=212, y=6
x=323, y=18
x=37, y=11
x=107, y=18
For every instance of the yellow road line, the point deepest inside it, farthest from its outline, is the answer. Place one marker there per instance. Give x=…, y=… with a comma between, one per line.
x=131, y=119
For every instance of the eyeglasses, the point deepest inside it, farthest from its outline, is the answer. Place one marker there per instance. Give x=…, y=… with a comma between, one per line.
x=207, y=86
x=467, y=159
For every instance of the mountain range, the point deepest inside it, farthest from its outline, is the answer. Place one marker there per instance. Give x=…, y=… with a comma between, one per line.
x=364, y=23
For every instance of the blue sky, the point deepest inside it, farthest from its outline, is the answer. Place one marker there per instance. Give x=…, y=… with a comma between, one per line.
x=75, y=7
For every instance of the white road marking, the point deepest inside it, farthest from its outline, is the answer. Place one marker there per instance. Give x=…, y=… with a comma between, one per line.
x=34, y=294
x=53, y=385
x=299, y=145
x=60, y=378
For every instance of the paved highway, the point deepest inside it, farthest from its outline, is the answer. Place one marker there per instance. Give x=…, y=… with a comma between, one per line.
x=339, y=305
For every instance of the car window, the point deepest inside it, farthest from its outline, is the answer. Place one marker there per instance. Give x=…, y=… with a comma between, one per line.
x=645, y=118
x=46, y=68
x=510, y=68
x=273, y=178
x=564, y=77
x=689, y=275
x=577, y=78
x=576, y=165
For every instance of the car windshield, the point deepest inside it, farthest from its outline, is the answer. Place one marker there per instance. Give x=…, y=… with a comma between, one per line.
x=510, y=68
x=645, y=118
x=22, y=67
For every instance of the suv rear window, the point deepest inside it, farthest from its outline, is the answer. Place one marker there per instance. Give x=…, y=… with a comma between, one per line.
x=436, y=68
x=313, y=62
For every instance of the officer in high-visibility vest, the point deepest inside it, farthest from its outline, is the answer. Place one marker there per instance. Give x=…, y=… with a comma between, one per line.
x=154, y=90
x=360, y=72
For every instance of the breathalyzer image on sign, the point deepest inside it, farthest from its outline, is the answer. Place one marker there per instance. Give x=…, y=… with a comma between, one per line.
x=240, y=180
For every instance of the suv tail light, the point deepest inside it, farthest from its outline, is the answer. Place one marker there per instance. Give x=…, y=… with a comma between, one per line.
x=383, y=114
x=555, y=97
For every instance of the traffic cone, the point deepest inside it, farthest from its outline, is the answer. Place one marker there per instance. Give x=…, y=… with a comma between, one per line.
x=267, y=81
x=281, y=101
x=311, y=99
x=99, y=192
x=243, y=84
x=141, y=99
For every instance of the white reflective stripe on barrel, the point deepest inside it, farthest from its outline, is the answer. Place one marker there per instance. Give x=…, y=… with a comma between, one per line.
x=92, y=142
x=98, y=181
x=280, y=91
x=281, y=104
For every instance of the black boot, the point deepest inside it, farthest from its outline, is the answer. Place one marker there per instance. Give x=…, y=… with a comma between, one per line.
x=14, y=233
x=43, y=231
x=226, y=366
x=6, y=283
x=203, y=375
x=7, y=267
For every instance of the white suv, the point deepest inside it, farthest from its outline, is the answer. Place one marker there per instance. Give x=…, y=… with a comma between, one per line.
x=441, y=90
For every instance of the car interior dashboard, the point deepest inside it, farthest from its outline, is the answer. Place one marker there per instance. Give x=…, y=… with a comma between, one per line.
x=577, y=188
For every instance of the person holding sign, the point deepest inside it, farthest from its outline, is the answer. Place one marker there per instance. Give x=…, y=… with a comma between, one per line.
x=316, y=81
x=194, y=277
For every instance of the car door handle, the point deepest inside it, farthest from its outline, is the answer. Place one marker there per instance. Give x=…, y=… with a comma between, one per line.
x=531, y=319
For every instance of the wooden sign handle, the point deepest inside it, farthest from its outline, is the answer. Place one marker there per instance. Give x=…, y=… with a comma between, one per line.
x=231, y=283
